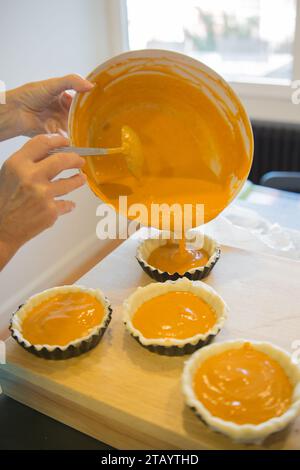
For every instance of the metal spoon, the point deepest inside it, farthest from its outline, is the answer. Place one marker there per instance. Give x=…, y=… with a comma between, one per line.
x=87, y=151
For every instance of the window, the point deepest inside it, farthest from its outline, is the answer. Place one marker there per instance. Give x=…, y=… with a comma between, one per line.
x=244, y=40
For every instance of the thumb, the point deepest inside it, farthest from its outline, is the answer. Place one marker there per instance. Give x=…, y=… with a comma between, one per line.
x=55, y=86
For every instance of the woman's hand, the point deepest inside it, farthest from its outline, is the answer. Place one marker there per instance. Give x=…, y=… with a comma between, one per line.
x=28, y=203
x=39, y=107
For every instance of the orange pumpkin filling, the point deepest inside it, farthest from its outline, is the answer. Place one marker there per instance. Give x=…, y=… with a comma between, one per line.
x=243, y=385
x=175, y=314
x=177, y=258
x=132, y=148
x=62, y=318
x=196, y=142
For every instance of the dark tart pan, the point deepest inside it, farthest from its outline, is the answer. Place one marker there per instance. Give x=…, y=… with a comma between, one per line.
x=72, y=350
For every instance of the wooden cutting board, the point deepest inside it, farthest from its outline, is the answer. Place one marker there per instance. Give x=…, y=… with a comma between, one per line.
x=130, y=398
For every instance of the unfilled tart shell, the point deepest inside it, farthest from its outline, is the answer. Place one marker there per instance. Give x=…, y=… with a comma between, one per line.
x=73, y=348
x=172, y=346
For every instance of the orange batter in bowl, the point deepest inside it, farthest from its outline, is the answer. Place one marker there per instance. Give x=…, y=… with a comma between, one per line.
x=132, y=148
x=175, y=314
x=62, y=318
x=243, y=385
x=195, y=136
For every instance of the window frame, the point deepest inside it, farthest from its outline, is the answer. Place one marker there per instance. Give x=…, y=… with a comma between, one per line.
x=269, y=101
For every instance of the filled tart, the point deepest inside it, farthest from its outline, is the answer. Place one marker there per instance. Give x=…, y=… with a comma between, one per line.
x=166, y=260
x=175, y=317
x=61, y=322
x=246, y=390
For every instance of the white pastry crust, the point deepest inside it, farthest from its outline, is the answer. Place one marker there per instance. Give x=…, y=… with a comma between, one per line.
x=143, y=294
x=20, y=314
x=246, y=433
x=146, y=247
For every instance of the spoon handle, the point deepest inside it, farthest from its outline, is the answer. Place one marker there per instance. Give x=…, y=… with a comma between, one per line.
x=87, y=151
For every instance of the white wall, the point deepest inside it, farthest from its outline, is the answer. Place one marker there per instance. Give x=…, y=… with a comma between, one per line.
x=41, y=39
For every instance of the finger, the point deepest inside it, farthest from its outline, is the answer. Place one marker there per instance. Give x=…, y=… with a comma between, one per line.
x=38, y=147
x=55, y=86
x=62, y=122
x=62, y=132
x=51, y=126
x=55, y=164
x=65, y=100
x=56, y=125
x=64, y=207
x=63, y=186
